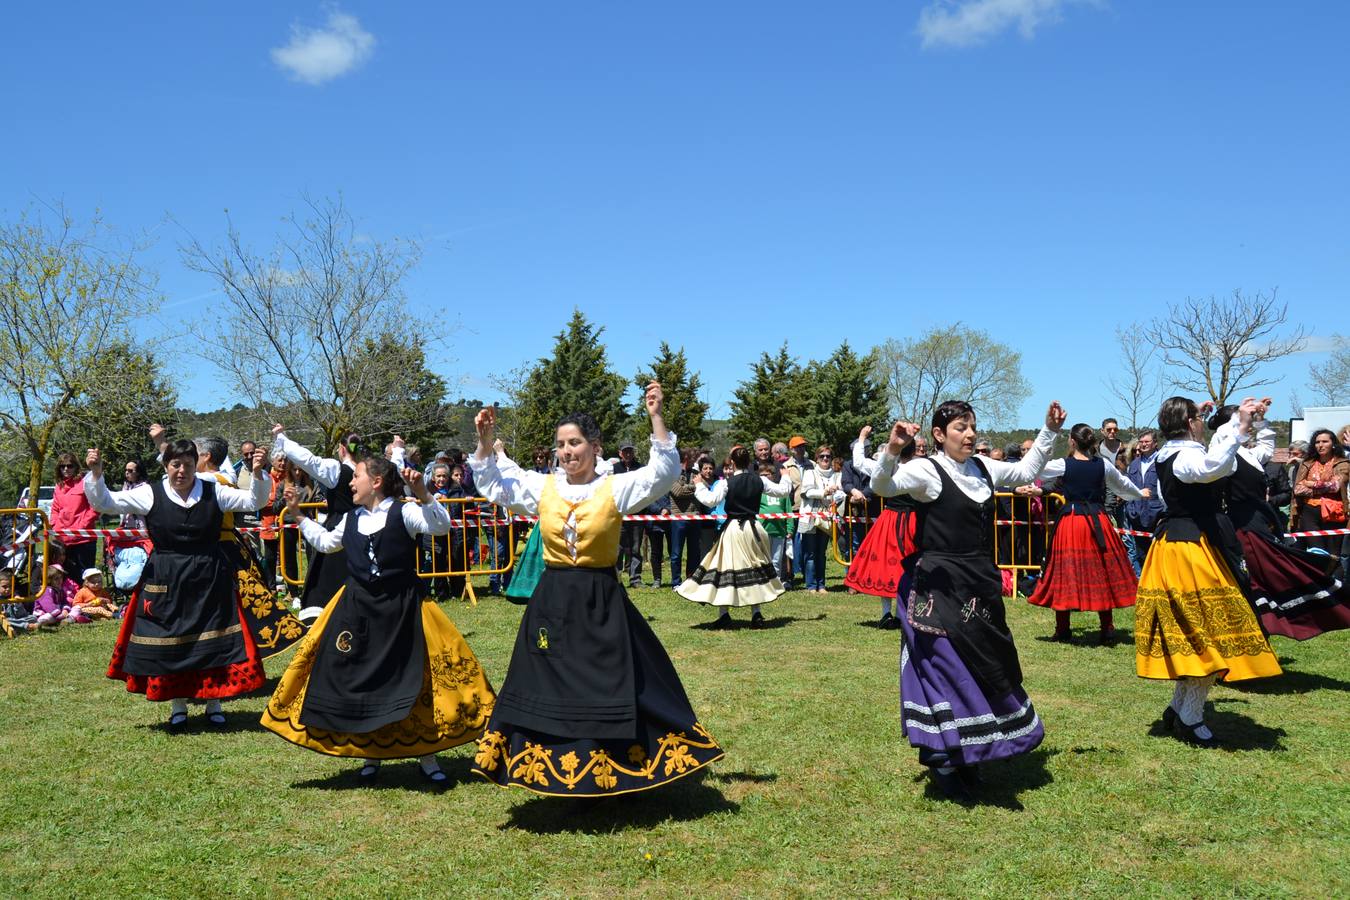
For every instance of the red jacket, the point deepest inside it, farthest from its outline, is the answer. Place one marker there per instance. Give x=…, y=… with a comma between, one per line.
x=71, y=509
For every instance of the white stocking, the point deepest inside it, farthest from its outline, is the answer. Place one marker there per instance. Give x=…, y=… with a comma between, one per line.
x=178, y=705
x=1192, y=709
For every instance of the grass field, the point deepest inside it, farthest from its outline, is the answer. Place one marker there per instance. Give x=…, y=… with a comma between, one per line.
x=818, y=793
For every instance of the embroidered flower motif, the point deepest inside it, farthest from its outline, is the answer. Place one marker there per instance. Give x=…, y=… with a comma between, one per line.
x=570, y=761
x=604, y=771
x=489, y=750
x=637, y=754
x=261, y=606
x=291, y=627
x=532, y=768
x=679, y=759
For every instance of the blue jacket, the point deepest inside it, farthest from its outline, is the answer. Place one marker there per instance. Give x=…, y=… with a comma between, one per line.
x=1144, y=512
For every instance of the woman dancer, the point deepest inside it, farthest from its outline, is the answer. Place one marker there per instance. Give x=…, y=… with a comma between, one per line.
x=184, y=634
x=879, y=564
x=382, y=674
x=324, y=579
x=591, y=705
x=961, y=693
x=1087, y=567
x=1193, y=623
x=738, y=570
x=1296, y=593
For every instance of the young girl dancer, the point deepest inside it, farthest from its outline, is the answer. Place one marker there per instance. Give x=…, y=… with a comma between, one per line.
x=961, y=693
x=1193, y=623
x=738, y=570
x=382, y=674
x=184, y=634
x=591, y=704
x=878, y=566
x=1296, y=593
x=1087, y=567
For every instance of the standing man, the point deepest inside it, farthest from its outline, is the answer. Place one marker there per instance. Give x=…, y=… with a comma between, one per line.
x=1142, y=515
x=1110, y=445
x=763, y=453
x=794, y=467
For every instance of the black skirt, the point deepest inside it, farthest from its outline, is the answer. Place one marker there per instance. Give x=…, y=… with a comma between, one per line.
x=591, y=704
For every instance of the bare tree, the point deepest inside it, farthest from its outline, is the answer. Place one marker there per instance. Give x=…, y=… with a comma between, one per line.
x=1219, y=345
x=311, y=315
x=1136, y=383
x=67, y=295
x=948, y=363
x=1330, y=381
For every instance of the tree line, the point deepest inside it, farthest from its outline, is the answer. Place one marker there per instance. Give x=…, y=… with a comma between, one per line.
x=298, y=347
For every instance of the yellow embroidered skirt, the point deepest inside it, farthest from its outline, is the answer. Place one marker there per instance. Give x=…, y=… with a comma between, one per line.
x=1192, y=620
x=452, y=709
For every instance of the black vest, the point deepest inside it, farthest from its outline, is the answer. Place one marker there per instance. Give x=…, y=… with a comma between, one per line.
x=395, y=551
x=338, y=498
x=955, y=524
x=744, y=491
x=179, y=529
x=1084, y=480
x=1244, y=495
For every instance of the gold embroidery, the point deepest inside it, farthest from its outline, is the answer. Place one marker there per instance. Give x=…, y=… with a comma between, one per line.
x=1191, y=623
x=636, y=754
x=186, y=638
x=543, y=639
x=344, y=642
x=450, y=671
x=490, y=751
x=570, y=761
x=604, y=770
x=154, y=588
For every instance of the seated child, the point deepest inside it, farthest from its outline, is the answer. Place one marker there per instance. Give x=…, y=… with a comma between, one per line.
x=17, y=616
x=92, y=600
x=51, y=607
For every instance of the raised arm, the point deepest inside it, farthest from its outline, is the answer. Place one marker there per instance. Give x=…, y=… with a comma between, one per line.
x=1028, y=468
x=1195, y=466
x=519, y=490
x=917, y=478
x=780, y=488
x=136, y=501
x=234, y=500
x=1118, y=483
x=426, y=516
x=636, y=490
x=324, y=471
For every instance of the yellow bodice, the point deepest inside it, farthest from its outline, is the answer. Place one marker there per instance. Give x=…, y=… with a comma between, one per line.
x=598, y=525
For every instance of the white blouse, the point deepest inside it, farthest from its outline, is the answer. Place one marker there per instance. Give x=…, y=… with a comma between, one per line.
x=718, y=492
x=430, y=518
x=918, y=479
x=1196, y=465
x=520, y=489
x=1263, y=449
x=1118, y=483
x=139, y=499
x=324, y=471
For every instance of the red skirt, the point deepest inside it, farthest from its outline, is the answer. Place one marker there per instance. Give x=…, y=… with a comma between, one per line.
x=1079, y=575
x=878, y=564
x=203, y=684
x=1297, y=593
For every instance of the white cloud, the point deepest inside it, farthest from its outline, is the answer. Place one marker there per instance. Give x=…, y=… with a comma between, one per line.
x=966, y=23
x=316, y=55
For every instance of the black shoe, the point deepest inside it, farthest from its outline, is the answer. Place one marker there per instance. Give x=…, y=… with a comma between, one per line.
x=1062, y=637
x=757, y=620
x=177, y=721
x=368, y=774
x=215, y=719
x=1169, y=717
x=886, y=621
x=1186, y=734
x=951, y=786
x=722, y=622
x=970, y=776
x=436, y=778
x=1107, y=638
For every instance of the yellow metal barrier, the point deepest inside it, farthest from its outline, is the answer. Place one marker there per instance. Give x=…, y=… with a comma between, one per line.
x=1021, y=540
x=300, y=557
x=464, y=510
x=37, y=525
x=852, y=524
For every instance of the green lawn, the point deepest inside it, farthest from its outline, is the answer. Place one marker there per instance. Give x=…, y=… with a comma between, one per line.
x=818, y=792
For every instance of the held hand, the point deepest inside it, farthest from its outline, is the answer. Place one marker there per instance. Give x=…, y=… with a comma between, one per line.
x=865, y=433
x=293, y=510
x=259, y=461
x=398, y=442
x=278, y=429
x=485, y=423
x=498, y=446
x=1266, y=403
x=857, y=496
x=93, y=461
x=1055, y=416
x=413, y=479
x=157, y=432
x=1148, y=493
x=1206, y=408
x=1247, y=411
x=655, y=399
x=902, y=433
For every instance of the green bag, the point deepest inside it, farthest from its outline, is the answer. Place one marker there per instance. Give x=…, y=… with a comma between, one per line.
x=528, y=570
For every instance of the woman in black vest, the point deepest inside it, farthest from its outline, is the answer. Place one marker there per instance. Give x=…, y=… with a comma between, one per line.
x=323, y=579
x=738, y=570
x=183, y=635
x=1087, y=567
x=1193, y=623
x=1296, y=593
x=382, y=674
x=962, y=701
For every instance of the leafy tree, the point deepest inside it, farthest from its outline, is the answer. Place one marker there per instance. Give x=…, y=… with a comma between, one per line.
x=1330, y=381
x=684, y=411
x=396, y=393
x=127, y=392
x=773, y=401
x=576, y=378
x=952, y=363
x=844, y=395
x=67, y=296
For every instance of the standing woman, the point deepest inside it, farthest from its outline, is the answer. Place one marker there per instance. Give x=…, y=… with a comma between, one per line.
x=324, y=577
x=1087, y=567
x=1319, y=491
x=878, y=565
x=1193, y=623
x=591, y=705
x=962, y=701
x=184, y=634
x=1296, y=593
x=820, y=488
x=382, y=674
x=71, y=510
x=738, y=570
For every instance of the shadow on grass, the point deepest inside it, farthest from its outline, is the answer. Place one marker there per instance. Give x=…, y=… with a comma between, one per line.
x=1004, y=781
x=876, y=625
x=769, y=623
x=1291, y=682
x=236, y=721
x=1090, y=639
x=398, y=775
x=749, y=777
x=1236, y=732
x=685, y=800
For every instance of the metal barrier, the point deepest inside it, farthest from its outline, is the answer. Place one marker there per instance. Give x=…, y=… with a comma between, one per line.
x=472, y=524
x=852, y=525
x=301, y=559
x=1022, y=540
x=35, y=532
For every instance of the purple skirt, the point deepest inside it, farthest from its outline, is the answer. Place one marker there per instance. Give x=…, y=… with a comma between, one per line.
x=943, y=708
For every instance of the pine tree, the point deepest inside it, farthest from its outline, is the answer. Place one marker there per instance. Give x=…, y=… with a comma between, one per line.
x=684, y=411
x=844, y=395
x=772, y=403
x=576, y=378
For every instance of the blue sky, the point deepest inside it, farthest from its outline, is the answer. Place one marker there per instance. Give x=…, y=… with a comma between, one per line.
x=723, y=176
